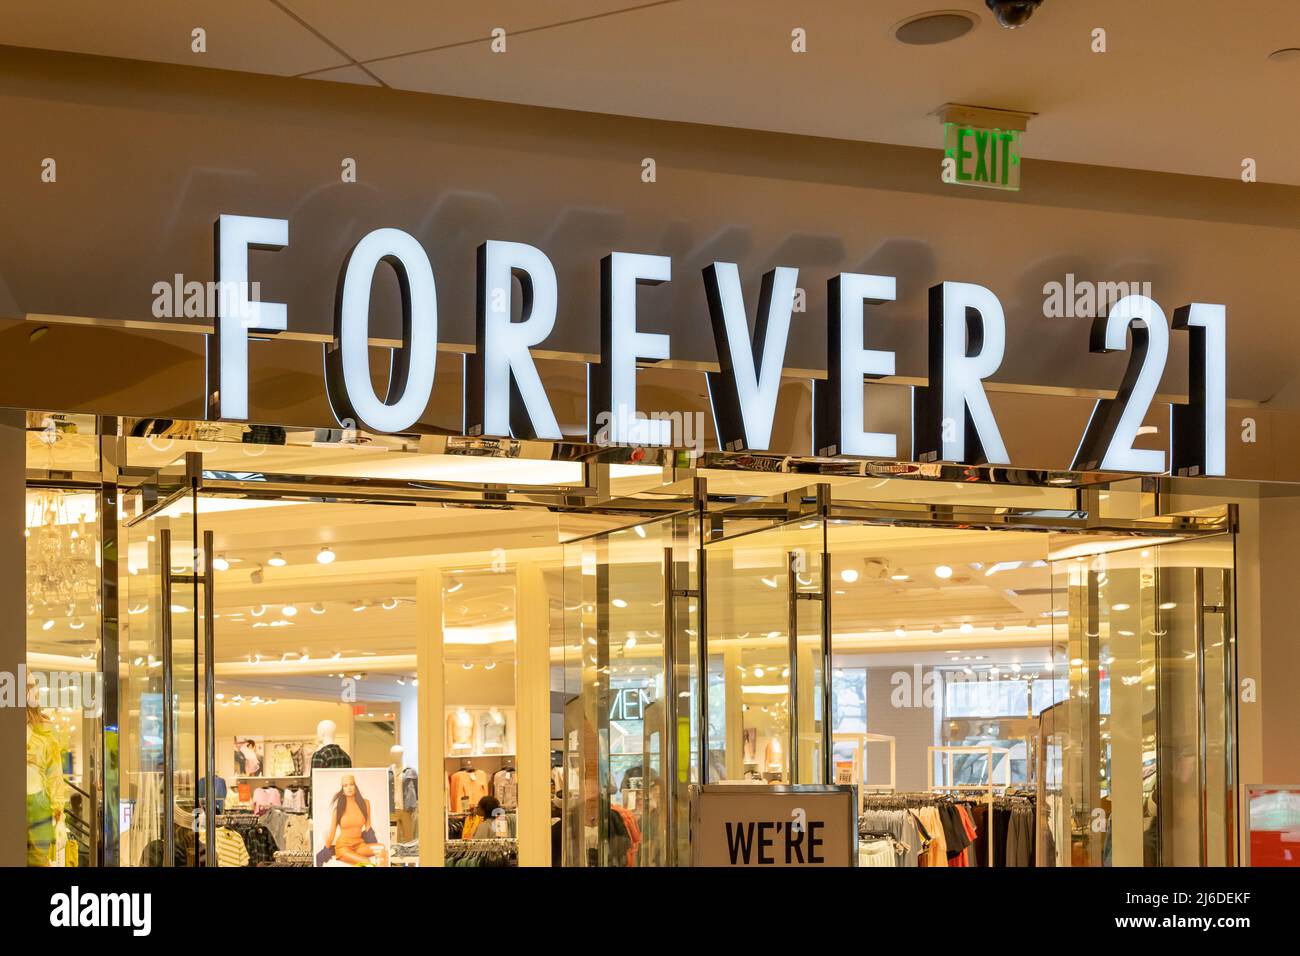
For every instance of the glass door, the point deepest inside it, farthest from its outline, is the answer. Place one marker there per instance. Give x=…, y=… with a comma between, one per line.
x=1145, y=643
x=161, y=674
x=631, y=651
x=766, y=642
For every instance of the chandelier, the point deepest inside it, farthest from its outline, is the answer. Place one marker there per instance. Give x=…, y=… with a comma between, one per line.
x=62, y=565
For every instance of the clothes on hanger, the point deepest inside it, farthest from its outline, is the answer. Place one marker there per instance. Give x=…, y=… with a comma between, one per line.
x=467, y=788
x=965, y=829
x=505, y=787
x=231, y=850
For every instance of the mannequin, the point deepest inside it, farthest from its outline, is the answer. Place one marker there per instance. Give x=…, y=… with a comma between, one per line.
x=402, y=788
x=47, y=791
x=328, y=753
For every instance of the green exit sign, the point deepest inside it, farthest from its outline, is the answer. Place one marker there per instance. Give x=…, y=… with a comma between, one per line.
x=982, y=157
x=981, y=145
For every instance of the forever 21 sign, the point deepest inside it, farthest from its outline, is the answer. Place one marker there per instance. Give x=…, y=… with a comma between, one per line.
x=952, y=418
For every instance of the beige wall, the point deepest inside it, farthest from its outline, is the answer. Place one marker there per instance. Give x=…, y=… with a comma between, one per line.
x=1279, y=651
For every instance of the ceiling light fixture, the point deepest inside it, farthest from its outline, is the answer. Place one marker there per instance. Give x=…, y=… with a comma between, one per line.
x=618, y=602
x=452, y=589
x=900, y=632
x=276, y=560
x=325, y=555
x=849, y=575
x=966, y=627
x=943, y=571
x=899, y=575
x=934, y=27
x=257, y=611
x=318, y=608
x=220, y=563
x=390, y=604
x=288, y=610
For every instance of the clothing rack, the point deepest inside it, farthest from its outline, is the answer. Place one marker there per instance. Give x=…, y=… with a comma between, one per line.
x=988, y=750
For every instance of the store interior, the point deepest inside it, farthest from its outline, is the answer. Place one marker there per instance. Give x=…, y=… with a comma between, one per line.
x=955, y=662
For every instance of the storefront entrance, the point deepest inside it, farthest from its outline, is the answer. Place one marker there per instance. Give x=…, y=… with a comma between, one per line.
x=1059, y=658
x=1055, y=670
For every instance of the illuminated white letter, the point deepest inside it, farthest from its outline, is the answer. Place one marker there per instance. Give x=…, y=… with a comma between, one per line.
x=621, y=345
x=1200, y=428
x=1113, y=428
x=840, y=414
x=968, y=337
x=236, y=314
x=743, y=398
x=501, y=364
x=410, y=381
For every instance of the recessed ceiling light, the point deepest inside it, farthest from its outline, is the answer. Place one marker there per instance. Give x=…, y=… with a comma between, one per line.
x=848, y=575
x=220, y=563
x=899, y=575
x=288, y=610
x=318, y=608
x=325, y=555
x=1121, y=606
x=276, y=560
x=937, y=26
x=943, y=571
x=966, y=627
x=618, y=602
x=899, y=632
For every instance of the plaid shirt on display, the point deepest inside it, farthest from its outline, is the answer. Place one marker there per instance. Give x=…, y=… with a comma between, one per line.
x=331, y=755
x=260, y=846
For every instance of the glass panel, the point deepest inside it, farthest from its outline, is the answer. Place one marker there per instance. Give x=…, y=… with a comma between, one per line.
x=62, y=442
x=629, y=716
x=155, y=606
x=763, y=585
x=941, y=661
x=1145, y=640
x=63, y=631
x=479, y=665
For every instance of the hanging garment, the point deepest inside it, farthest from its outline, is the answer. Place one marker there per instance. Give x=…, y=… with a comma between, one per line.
x=505, y=787
x=218, y=792
x=410, y=795
x=297, y=833
x=280, y=763
x=264, y=798
x=878, y=853
x=230, y=847
x=468, y=787
x=259, y=844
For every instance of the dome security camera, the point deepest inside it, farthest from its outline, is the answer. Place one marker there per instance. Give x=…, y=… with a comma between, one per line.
x=1013, y=14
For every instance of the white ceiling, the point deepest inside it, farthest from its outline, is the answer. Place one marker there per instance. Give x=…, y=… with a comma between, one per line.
x=1184, y=87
